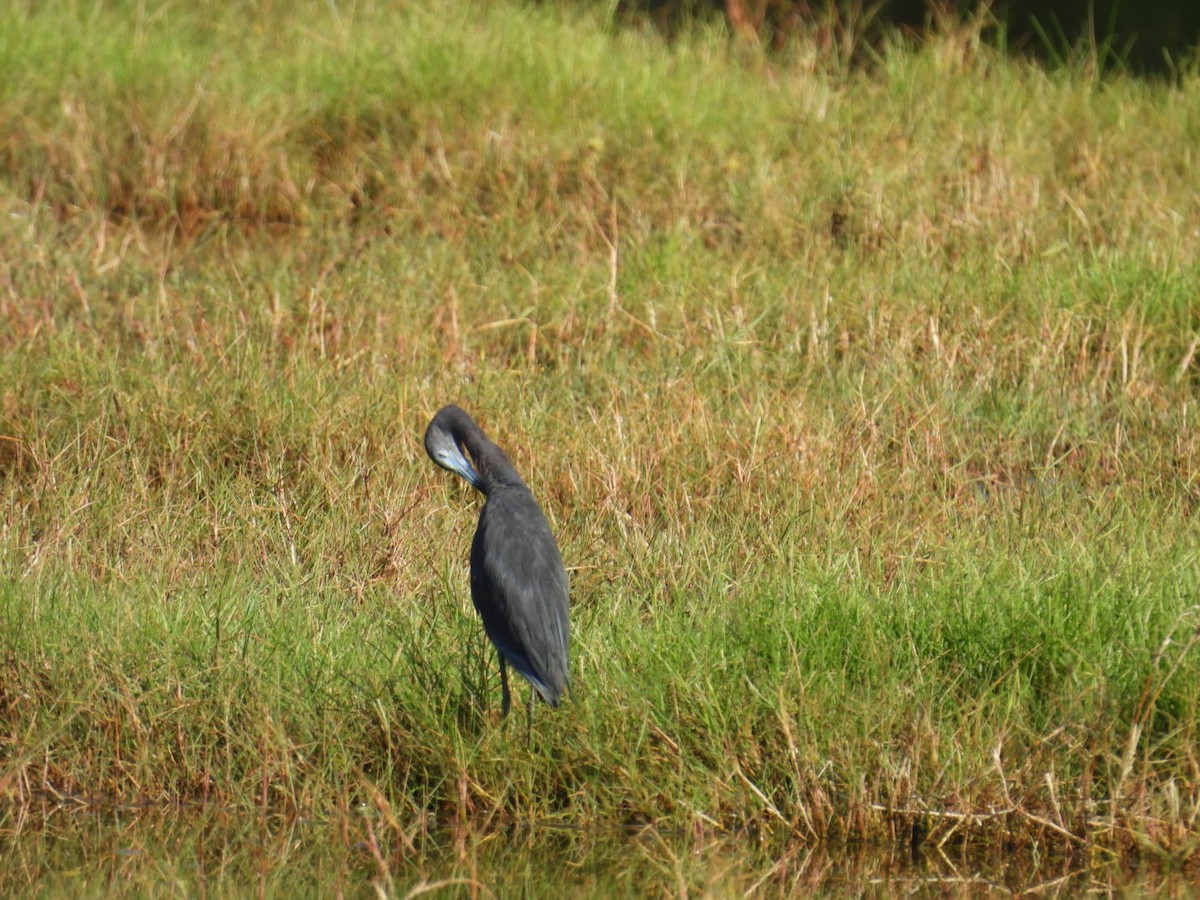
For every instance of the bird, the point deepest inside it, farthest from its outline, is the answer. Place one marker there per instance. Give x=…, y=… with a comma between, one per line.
x=518, y=581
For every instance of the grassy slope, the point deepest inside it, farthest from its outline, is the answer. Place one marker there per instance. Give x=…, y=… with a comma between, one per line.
x=863, y=403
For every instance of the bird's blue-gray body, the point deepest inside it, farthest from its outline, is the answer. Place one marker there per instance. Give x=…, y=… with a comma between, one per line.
x=518, y=582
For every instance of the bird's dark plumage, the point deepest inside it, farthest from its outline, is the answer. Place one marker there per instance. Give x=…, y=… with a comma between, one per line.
x=518, y=582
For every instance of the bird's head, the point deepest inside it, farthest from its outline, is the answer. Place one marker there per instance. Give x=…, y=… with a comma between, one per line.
x=444, y=447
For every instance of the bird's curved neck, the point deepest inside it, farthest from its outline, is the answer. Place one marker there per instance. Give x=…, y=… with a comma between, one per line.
x=493, y=465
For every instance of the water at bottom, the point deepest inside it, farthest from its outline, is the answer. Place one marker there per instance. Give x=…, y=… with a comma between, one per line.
x=82, y=850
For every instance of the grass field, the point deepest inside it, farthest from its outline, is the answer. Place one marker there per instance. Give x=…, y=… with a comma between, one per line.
x=862, y=399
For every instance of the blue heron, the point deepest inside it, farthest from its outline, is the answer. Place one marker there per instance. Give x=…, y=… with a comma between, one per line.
x=518, y=583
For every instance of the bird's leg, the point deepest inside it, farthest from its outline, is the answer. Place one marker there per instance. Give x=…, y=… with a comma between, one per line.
x=507, y=701
x=529, y=721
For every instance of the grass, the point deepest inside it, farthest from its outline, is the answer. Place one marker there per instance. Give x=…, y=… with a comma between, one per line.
x=862, y=401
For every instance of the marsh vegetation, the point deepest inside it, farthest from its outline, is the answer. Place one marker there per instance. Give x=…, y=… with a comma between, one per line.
x=862, y=399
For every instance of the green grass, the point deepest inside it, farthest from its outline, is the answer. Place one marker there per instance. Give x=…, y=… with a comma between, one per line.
x=862, y=401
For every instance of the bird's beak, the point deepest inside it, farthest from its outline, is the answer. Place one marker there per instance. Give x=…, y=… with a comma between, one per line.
x=456, y=461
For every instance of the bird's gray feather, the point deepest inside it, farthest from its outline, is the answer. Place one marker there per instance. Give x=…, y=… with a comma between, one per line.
x=519, y=587
x=518, y=582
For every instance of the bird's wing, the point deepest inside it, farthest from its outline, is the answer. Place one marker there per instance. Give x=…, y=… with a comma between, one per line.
x=519, y=587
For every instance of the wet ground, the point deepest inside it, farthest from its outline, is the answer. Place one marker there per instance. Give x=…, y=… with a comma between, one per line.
x=81, y=850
